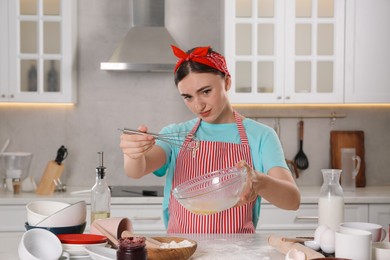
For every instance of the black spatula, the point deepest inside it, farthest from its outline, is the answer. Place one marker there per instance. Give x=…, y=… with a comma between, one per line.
x=301, y=159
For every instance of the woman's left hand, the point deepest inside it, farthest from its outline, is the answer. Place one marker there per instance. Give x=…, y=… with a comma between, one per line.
x=252, y=185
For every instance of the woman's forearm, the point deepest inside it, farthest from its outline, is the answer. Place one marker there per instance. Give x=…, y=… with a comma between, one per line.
x=134, y=168
x=280, y=192
x=142, y=165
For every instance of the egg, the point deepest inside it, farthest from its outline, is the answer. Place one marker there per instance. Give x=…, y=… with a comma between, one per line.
x=317, y=234
x=327, y=241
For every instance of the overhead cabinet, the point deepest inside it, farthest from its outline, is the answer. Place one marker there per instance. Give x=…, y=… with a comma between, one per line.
x=285, y=51
x=367, y=70
x=308, y=51
x=38, y=51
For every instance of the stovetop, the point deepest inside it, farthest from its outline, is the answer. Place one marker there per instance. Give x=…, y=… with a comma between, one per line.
x=137, y=191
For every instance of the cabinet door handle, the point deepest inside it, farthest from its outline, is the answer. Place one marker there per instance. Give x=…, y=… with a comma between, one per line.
x=306, y=218
x=288, y=97
x=278, y=97
x=146, y=218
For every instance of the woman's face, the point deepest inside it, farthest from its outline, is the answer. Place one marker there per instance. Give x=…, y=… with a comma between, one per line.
x=205, y=94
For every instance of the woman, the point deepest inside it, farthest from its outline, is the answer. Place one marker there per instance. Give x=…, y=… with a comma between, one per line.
x=225, y=139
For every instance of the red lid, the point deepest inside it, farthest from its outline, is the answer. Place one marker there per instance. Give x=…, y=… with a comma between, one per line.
x=81, y=238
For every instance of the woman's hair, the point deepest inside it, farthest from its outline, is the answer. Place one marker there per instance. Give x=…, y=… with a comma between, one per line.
x=192, y=66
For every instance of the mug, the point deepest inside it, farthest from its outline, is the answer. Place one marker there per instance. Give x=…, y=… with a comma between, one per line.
x=39, y=244
x=353, y=244
x=381, y=251
x=377, y=231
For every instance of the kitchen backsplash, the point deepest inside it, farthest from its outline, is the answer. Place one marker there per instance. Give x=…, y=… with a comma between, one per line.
x=111, y=100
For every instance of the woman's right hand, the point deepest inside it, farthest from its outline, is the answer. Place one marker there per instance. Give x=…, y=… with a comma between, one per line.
x=136, y=145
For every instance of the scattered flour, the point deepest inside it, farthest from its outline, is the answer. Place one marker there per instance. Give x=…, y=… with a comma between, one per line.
x=173, y=244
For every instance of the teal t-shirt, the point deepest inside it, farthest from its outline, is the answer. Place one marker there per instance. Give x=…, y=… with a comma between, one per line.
x=265, y=147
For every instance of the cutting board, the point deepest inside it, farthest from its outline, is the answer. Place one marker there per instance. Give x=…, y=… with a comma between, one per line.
x=348, y=139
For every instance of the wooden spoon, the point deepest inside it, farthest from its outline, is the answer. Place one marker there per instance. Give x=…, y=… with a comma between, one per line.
x=150, y=242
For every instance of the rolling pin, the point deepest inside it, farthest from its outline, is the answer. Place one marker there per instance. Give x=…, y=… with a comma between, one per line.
x=284, y=247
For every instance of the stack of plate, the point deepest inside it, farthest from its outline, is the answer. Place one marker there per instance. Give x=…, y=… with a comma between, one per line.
x=75, y=244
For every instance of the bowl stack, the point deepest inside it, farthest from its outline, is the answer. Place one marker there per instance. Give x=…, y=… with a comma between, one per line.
x=57, y=217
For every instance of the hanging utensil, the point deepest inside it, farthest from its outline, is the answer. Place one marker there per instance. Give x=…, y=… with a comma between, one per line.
x=293, y=167
x=175, y=139
x=300, y=159
x=4, y=146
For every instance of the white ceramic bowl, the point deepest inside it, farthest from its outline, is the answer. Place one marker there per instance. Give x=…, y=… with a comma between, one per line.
x=39, y=244
x=381, y=250
x=72, y=215
x=212, y=192
x=41, y=209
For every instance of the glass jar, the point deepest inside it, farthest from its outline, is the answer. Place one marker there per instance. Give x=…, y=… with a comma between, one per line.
x=331, y=200
x=131, y=248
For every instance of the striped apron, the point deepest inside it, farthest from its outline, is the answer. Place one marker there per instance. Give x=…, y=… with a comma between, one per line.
x=209, y=157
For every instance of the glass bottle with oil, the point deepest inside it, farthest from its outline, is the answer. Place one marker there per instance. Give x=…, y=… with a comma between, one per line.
x=100, y=194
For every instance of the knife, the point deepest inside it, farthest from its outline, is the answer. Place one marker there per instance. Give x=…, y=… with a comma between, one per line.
x=62, y=153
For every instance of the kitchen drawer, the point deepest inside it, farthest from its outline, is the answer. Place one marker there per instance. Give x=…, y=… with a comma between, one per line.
x=273, y=218
x=12, y=218
x=380, y=214
x=305, y=218
x=145, y=218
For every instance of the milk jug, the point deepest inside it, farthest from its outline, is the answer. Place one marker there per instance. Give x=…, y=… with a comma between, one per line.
x=331, y=200
x=350, y=165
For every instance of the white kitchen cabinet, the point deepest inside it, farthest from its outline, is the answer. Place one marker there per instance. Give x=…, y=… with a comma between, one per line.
x=305, y=218
x=38, y=51
x=12, y=218
x=146, y=219
x=285, y=51
x=380, y=214
x=367, y=77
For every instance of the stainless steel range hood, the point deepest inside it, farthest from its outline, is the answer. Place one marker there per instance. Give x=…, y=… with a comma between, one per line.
x=146, y=46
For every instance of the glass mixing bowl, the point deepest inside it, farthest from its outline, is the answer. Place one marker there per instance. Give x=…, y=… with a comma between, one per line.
x=212, y=192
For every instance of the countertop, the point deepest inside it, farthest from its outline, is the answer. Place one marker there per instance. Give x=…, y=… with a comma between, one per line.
x=210, y=246
x=309, y=194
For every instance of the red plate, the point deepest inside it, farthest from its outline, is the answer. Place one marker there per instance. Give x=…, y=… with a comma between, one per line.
x=81, y=238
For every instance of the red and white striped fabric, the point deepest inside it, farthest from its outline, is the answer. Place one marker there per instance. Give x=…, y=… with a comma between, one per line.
x=210, y=156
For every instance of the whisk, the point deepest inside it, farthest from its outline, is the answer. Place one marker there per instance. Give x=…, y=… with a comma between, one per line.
x=174, y=138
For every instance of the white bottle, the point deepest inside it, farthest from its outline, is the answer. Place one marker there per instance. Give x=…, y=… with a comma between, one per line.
x=331, y=201
x=100, y=194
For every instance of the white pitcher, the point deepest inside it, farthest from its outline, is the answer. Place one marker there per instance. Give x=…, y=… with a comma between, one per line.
x=350, y=165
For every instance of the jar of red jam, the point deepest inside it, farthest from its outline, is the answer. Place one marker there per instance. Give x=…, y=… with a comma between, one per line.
x=131, y=248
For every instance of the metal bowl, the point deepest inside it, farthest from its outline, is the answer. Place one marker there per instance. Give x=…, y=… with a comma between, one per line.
x=212, y=192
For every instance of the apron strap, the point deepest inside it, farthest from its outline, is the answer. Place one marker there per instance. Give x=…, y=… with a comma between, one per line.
x=240, y=128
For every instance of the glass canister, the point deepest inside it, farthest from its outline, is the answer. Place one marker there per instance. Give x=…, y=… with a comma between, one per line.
x=331, y=200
